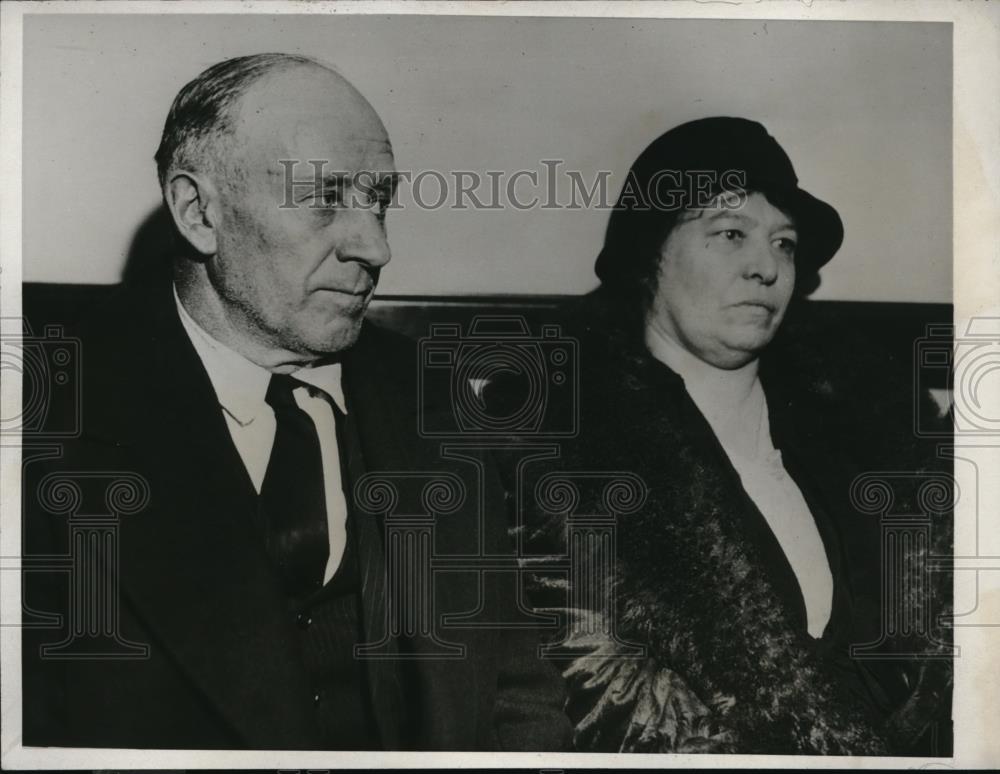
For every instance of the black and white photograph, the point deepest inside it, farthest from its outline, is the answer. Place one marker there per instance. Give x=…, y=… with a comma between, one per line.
x=499, y=385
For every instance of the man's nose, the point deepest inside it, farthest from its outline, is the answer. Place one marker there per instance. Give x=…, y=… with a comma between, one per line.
x=761, y=262
x=363, y=236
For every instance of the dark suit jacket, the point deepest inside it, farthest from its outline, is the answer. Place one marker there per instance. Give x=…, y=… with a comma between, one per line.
x=192, y=582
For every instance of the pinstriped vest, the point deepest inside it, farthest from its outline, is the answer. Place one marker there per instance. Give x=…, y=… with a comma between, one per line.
x=330, y=625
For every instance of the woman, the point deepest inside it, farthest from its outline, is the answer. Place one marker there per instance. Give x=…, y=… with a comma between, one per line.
x=747, y=574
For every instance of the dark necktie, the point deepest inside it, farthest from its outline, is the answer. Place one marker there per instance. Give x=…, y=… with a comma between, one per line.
x=292, y=496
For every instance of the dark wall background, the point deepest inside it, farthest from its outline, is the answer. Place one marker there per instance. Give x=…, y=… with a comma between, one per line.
x=892, y=329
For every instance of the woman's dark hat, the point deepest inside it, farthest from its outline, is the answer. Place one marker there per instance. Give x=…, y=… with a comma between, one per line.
x=693, y=163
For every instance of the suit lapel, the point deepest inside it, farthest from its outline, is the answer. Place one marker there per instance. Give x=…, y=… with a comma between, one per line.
x=383, y=403
x=383, y=676
x=192, y=564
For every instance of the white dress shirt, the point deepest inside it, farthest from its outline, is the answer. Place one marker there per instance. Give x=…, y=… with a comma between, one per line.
x=733, y=402
x=241, y=385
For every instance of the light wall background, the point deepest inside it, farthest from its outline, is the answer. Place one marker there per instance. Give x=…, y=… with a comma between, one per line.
x=862, y=108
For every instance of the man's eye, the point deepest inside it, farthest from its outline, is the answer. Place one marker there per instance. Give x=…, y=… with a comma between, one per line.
x=328, y=199
x=732, y=234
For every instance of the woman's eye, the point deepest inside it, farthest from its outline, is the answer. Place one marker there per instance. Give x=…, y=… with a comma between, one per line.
x=786, y=246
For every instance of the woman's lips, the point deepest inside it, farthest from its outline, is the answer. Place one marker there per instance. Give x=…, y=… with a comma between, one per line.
x=756, y=305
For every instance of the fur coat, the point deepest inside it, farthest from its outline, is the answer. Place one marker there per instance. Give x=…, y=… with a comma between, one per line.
x=728, y=665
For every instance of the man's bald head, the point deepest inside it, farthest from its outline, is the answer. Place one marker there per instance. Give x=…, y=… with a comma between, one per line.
x=281, y=279
x=206, y=114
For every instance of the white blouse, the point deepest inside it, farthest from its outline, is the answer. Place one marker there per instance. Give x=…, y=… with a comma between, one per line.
x=733, y=402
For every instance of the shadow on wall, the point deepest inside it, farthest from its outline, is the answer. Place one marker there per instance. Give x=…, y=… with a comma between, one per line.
x=153, y=246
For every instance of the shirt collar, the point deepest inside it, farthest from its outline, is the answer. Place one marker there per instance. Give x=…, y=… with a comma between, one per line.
x=328, y=378
x=240, y=384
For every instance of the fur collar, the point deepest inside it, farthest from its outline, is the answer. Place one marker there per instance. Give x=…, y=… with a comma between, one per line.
x=690, y=584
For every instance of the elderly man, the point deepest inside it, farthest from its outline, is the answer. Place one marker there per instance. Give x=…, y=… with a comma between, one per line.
x=251, y=397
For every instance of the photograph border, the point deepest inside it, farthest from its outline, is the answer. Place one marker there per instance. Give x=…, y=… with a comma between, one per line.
x=976, y=296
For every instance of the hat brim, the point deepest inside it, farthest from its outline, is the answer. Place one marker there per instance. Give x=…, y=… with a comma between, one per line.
x=820, y=229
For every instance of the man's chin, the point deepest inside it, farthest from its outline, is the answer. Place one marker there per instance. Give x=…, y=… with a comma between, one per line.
x=338, y=337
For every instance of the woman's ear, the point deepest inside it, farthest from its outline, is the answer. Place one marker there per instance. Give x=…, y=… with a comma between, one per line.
x=194, y=205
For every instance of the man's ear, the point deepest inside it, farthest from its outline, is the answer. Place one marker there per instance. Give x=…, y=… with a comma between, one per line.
x=193, y=202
